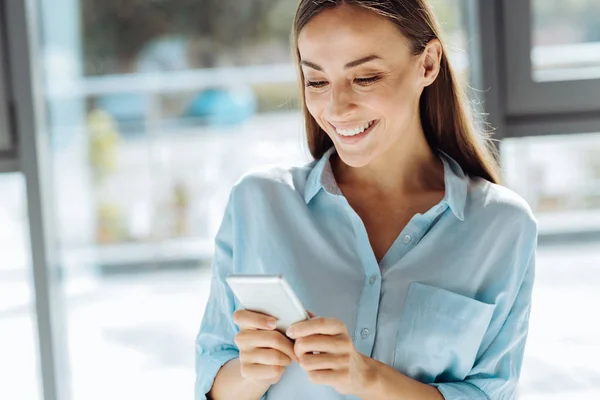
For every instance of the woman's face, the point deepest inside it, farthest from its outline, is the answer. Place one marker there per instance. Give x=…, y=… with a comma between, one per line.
x=359, y=73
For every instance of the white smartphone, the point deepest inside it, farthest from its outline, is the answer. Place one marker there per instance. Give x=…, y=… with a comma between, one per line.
x=271, y=295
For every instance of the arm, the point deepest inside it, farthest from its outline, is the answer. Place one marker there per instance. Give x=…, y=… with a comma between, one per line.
x=385, y=383
x=496, y=372
x=217, y=362
x=230, y=384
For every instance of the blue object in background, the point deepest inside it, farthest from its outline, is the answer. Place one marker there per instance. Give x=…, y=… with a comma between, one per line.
x=129, y=111
x=217, y=107
x=223, y=106
x=125, y=107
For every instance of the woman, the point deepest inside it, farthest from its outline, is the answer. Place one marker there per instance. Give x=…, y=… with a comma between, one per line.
x=417, y=265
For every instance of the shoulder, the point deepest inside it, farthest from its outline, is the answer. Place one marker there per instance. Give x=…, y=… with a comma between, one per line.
x=503, y=224
x=499, y=206
x=273, y=181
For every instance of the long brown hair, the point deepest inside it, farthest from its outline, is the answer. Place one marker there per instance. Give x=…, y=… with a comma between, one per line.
x=445, y=112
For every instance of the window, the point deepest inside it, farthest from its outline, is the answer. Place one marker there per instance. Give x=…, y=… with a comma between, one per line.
x=155, y=109
x=18, y=342
x=559, y=176
x=551, y=61
x=563, y=342
x=566, y=40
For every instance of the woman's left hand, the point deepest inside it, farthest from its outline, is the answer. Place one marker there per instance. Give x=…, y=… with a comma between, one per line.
x=338, y=363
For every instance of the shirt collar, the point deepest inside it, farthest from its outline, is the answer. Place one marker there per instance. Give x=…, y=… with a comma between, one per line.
x=321, y=177
x=455, y=180
x=457, y=185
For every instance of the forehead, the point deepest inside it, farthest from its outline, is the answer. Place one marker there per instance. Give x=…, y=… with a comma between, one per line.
x=348, y=31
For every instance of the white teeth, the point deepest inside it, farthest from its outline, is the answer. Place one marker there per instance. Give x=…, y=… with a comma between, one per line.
x=355, y=131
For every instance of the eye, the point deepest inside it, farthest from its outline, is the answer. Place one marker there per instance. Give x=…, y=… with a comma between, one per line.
x=316, y=84
x=366, y=81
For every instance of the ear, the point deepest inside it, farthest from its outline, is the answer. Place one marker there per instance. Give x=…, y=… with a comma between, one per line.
x=430, y=61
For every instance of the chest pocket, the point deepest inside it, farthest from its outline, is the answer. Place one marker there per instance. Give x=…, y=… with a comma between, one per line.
x=440, y=333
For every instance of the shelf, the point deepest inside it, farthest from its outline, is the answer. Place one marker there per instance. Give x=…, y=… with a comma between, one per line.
x=565, y=226
x=131, y=257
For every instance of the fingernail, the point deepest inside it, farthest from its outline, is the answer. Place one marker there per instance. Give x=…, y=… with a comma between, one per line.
x=290, y=332
x=272, y=323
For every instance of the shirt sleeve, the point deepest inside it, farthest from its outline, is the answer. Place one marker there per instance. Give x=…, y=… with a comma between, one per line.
x=496, y=373
x=215, y=340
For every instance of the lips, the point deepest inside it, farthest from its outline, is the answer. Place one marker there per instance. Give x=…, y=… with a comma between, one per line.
x=353, y=129
x=357, y=137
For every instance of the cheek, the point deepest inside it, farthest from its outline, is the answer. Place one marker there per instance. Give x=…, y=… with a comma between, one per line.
x=313, y=100
x=315, y=105
x=396, y=104
x=399, y=93
x=396, y=107
x=315, y=108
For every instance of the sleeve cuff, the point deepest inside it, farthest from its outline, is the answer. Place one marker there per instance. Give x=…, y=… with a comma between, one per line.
x=207, y=368
x=460, y=391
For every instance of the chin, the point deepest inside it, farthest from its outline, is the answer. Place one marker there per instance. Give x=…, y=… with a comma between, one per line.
x=353, y=159
x=359, y=150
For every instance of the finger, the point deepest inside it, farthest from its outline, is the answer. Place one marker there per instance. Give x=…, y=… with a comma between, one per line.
x=324, y=376
x=265, y=357
x=318, y=325
x=247, y=319
x=310, y=362
x=322, y=344
x=251, y=339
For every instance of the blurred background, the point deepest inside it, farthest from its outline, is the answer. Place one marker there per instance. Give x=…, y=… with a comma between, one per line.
x=124, y=123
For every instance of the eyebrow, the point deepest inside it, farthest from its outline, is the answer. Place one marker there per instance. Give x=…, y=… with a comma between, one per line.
x=351, y=64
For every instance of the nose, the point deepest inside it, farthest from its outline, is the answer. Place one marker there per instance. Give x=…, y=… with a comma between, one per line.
x=341, y=103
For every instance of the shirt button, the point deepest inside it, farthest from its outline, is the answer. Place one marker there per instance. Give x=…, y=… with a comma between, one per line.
x=407, y=239
x=365, y=333
x=373, y=279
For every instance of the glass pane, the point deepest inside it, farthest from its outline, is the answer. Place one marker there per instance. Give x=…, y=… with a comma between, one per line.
x=564, y=337
x=19, y=360
x=450, y=15
x=560, y=178
x=566, y=40
x=155, y=110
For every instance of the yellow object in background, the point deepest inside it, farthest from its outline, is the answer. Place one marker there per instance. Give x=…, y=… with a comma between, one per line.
x=103, y=143
x=110, y=226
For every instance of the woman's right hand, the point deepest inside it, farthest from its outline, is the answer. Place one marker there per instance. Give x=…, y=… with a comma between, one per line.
x=264, y=352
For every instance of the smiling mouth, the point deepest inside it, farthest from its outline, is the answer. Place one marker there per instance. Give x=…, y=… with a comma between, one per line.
x=354, y=131
x=356, y=134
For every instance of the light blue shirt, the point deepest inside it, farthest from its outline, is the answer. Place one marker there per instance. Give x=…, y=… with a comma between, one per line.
x=448, y=305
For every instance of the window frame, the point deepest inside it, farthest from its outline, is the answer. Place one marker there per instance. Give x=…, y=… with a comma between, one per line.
x=30, y=157
x=526, y=97
x=7, y=134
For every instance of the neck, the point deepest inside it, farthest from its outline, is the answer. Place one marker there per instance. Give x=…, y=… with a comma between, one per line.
x=409, y=167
